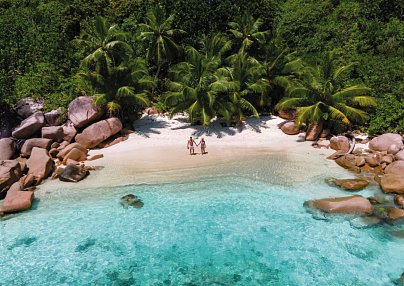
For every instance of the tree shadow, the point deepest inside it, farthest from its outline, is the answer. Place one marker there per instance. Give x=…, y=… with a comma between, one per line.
x=148, y=125
x=216, y=127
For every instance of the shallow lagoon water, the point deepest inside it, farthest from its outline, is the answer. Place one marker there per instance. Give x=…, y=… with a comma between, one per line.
x=248, y=229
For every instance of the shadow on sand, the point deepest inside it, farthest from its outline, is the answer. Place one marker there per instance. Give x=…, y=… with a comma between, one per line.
x=217, y=129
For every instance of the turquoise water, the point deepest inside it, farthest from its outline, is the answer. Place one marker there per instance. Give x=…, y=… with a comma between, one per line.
x=224, y=230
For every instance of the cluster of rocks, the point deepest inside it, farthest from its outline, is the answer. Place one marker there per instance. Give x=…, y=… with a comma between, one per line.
x=384, y=160
x=49, y=144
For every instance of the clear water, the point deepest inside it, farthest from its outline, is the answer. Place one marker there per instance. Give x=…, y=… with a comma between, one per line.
x=226, y=230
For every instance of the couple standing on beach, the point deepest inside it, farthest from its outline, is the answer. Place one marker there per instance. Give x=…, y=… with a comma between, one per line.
x=191, y=147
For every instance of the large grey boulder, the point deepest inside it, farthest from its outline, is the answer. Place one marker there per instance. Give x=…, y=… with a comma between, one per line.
x=73, y=173
x=383, y=142
x=17, y=199
x=313, y=131
x=290, y=128
x=55, y=117
x=29, y=126
x=83, y=111
x=397, y=168
x=99, y=132
x=40, y=164
x=69, y=131
x=28, y=106
x=10, y=172
x=30, y=144
x=340, y=143
x=53, y=132
x=400, y=156
x=7, y=149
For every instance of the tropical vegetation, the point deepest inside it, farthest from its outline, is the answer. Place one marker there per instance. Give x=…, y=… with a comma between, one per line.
x=338, y=62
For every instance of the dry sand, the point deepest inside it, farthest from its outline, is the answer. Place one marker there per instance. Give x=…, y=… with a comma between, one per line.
x=157, y=151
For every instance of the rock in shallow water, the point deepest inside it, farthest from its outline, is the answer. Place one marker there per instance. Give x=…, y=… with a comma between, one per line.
x=131, y=201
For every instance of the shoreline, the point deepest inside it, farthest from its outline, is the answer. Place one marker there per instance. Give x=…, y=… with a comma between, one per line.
x=156, y=151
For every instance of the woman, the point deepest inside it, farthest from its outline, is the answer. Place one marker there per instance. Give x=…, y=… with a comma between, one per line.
x=203, y=146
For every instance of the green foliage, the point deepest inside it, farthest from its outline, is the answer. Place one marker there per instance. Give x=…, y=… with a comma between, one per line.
x=120, y=84
x=318, y=95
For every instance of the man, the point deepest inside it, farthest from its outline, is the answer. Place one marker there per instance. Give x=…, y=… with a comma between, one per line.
x=190, y=146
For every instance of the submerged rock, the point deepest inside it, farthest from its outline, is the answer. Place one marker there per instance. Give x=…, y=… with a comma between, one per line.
x=349, y=184
x=364, y=221
x=351, y=204
x=131, y=201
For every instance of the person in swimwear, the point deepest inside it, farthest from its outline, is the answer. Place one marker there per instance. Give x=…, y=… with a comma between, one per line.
x=203, y=146
x=190, y=146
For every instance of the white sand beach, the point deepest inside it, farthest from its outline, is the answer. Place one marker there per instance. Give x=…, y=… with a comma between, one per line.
x=157, y=151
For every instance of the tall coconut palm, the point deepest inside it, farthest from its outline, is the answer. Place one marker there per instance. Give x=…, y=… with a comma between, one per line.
x=121, y=89
x=118, y=83
x=318, y=95
x=194, y=87
x=105, y=44
x=159, y=35
x=215, y=46
x=246, y=31
x=245, y=83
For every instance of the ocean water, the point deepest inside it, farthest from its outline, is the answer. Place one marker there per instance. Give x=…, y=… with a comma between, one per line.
x=228, y=229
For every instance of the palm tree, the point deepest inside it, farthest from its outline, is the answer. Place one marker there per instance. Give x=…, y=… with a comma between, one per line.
x=244, y=81
x=215, y=46
x=105, y=44
x=246, y=31
x=117, y=83
x=159, y=34
x=316, y=92
x=121, y=89
x=194, y=87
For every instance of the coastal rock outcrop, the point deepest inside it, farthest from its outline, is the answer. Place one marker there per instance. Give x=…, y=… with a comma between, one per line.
x=99, y=132
x=383, y=142
x=7, y=148
x=392, y=183
x=28, y=106
x=55, y=117
x=113, y=140
x=69, y=131
x=351, y=204
x=40, y=164
x=10, y=172
x=53, y=132
x=351, y=184
x=29, y=126
x=30, y=144
x=83, y=111
x=75, y=154
x=290, y=128
x=313, y=131
x=396, y=167
x=17, y=200
x=399, y=200
x=348, y=161
x=95, y=157
x=73, y=173
x=61, y=155
x=131, y=201
x=399, y=156
x=393, y=149
x=288, y=114
x=340, y=143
